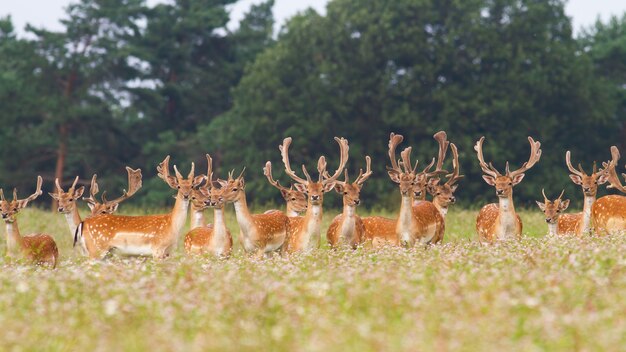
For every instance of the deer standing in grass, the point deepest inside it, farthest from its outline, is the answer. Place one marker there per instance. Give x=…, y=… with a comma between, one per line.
x=443, y=194
x=500, y=221
x=148, y=235
x=589, y=184
x=214, y=238
x=303, y=232
x=37, y=248
x=421, y=223
x=296, y=200
x=347, y=228
x=608, y=213
x=67, y=201
x=423, y=179
x=259, y=234
x=558, y=223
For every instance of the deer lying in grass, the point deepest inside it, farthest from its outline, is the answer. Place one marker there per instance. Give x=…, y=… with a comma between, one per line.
x=500, y=221
x=443, y=194
x=303, y=232
x=148, y=235
x=67, y=201
x=558, y=223
x=296, y=200
x=589, y=184
x=37, y=248
x=347, y=228
x=215, y=238
x=421, y=223
x=608, y=213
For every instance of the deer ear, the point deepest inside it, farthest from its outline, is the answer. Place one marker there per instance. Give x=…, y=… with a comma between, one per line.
x=564, y=204
x=79, y=192
x=242, y=183
x=454, y=187
x=222, y=183
x=114, y=208
x=172, y=181
x=300, y=187
x=603, y=178
x=394, y=176
x=339, y=188
x=576, y=179
x=490, y=180
x=284, y=193
x=517, y=179
x=91, y=206
x=541, y=205
x=197, y=181
x=329, y=186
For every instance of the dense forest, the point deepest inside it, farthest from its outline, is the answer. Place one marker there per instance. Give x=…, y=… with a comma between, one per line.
x=126, y=83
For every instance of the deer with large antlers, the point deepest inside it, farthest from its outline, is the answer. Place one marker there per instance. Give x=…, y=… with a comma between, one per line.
x=67, y=201
x=37, y=248
x=148, y=235
x=558, y=223
x=296, y=200
x=443, y=194
x=347, y=228
x=421, y=223
x=500, y=221
x=423, y=179
x=581, y=222
x=259, y=234
x=303, y=232
x=214, y=238
x=608, y=213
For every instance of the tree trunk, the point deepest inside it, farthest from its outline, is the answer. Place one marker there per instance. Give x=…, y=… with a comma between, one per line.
x=61, y=154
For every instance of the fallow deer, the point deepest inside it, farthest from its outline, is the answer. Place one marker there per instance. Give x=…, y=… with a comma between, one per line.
x=38, y=248
x=110, y=206
x=443, y=194
x=303, y=232
x=420, y=223
x=296, y=200
x=347, y=228
x=589, y=185
x=148, y=235
x=214, y=238
x=558, y=223
x=423, y=178
x=500, y=221
x=608, y=213
x=201, y=198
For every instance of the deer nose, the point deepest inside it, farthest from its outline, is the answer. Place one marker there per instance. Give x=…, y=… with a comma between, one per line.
x=418, y=193
x=60, y=209
x=315, y=197
x=452, y=199
x=499, y=191
x=4, y=215
x=357, y=201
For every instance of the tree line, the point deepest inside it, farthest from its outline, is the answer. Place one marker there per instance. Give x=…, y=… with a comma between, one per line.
x=126, y=83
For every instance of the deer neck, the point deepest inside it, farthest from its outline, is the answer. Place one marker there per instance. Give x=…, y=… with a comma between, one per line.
x=348, y=223
x=586, y=218
x=507, y=217
x=443, y=210
x=15, y=242
x=197, y=218
x=244, y=218
x=73, y=220
x=219, y=226
x=289, y=211
x=404, y=226
x=179, y=215
x=311, y=226
x=552, y=230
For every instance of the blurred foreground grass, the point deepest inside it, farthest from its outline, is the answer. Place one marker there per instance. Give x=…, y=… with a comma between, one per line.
x=538, y=294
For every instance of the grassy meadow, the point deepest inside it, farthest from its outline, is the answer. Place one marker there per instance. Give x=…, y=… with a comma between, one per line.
x=556, y=294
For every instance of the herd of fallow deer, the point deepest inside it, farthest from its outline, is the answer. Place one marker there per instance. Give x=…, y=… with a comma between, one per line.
x=299, y=228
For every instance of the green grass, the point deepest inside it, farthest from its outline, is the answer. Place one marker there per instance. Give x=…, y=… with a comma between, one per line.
x=537, y=294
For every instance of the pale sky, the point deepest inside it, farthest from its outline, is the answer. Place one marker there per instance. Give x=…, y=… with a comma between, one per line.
x=46, y=13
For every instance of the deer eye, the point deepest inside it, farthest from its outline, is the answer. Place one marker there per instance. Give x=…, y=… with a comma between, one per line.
x=510, y=183
x=345, y=192
x=293, y=198
x=71, y=199
x=234, y=189
x=178, y=187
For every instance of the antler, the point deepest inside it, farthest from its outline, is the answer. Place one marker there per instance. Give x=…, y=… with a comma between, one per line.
x=93, y=190
x=364, y=176
x=406, y=161
x=612, y=173
x=134, y=184
x=487, y=168
x=209, y=173
x=568, y=161
x=535, y=155
x=454, y=177
x=442, y=138
x=394, y=140
x=343, y=159
x=284, y=152
x=267, y=171
x=33, y=196
x=163, y=169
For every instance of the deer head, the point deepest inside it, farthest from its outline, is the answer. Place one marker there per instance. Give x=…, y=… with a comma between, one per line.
x=422, y=179
x=352, y=191
x=589, y=183
x=201, y=194
x=9, y=209
x=296, y=199
x=504, y=183
x=315, y=189
x=553, y=209
x=183, y=185
x=401, y=172
x=110, y=206
x=445, y=192
x=67, y=200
